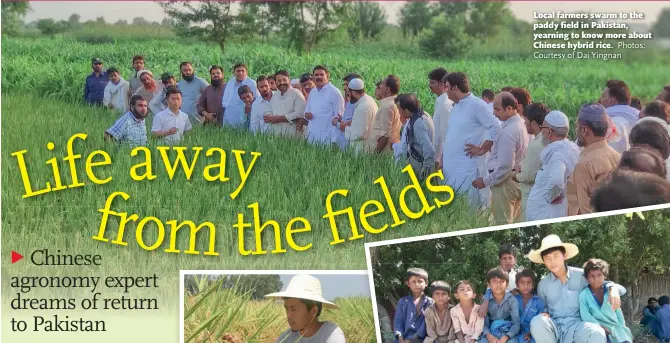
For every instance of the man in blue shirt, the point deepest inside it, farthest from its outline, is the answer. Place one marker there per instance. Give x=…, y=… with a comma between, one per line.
x=94, y=89
x=409, y=323
x=663, y=319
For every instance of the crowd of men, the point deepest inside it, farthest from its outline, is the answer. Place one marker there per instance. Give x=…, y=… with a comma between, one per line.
x=501, y=150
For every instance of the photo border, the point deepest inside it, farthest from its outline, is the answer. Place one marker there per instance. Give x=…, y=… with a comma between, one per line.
x=369, y=245
x=184, y=272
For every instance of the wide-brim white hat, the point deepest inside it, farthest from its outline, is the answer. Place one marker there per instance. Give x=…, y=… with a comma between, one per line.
x=304, y=286
x=553, y=241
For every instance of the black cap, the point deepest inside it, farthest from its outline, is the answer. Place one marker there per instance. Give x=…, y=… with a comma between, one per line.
x=96, y=60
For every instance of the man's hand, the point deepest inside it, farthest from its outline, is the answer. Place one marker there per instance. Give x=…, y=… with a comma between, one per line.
x=504, y=339
x=526, y=337
x=172, y=131
x=309, y=116
x=247, y=108
x=344, y=124
x=474, y=150
x=546, y=315
x=336, y=120
x=479, y=183
x=491, y=339
x=401, y=340
x=208, y=116
x=483, y=308
x=515, y=291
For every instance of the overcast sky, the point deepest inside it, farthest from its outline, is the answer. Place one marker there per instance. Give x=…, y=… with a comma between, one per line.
x=115, y=10
x=334, y=286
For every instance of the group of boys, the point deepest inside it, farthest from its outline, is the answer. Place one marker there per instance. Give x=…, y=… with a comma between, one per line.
x=571, y=305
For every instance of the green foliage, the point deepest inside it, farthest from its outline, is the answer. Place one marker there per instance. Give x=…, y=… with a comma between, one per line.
x=12, y=12
x=231, y=315
x=49, y=27
x=632, y=247
x=662, y=26
x=458, y=26
x=370, y=21
x=208, y=21
x=415, y=17
x=445, y=37
x=256, y=285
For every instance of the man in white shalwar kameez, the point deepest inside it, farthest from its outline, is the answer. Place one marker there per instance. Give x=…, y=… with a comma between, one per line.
x=548, y=197
x=443, y=106
x=357, y=130
x=616, y=100
x=324, y=103
x=471, y=119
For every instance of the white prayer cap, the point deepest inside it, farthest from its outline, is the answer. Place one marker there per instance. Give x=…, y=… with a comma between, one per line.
x=557, y=119
x=295, y=82
x=356, y=84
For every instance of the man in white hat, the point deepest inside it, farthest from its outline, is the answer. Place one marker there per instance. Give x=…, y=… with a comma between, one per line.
x=358, y=129
x=303, y=302
x=560, y=291
x=548, y=198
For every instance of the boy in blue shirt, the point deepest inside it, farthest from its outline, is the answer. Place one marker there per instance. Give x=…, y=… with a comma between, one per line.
x=409, y=324
x=530, y=304
x=502, y=324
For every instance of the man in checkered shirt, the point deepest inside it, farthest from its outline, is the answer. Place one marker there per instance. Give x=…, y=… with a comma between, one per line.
x=131, y=127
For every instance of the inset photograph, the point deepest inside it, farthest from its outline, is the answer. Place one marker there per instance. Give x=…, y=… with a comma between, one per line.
x=597, y=280
x=276, y=307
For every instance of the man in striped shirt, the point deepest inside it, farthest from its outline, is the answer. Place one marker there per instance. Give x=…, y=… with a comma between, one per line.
x=131, y=127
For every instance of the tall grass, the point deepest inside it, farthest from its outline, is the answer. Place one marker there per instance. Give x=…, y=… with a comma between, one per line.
x=563, y=85
x=232, y=316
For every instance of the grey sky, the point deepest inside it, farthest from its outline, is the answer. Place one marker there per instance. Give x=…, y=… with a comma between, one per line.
x=115, y=10
x=334, y=286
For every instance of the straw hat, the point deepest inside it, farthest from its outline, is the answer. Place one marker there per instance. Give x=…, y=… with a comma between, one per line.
x=553, y=241
x=304, y=287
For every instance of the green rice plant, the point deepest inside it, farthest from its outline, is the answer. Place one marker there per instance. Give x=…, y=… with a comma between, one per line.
x=230, y=315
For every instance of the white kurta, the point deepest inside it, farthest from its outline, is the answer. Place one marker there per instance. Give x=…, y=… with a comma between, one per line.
x=443, y=106
x=364, y=115
x=471, y=119
x=117, y=95
x=258, y=109
x=624, y=117
x=558, y=162
x=324, y=104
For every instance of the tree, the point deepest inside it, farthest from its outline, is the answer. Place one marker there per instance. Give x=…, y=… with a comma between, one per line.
x=485, y=18
x=12, y=12
x=306, y=23
x=445, y=37
x=100, y=20
x=209, y=21
x=167, y=22
x=140, y=21
x=633, y=248
x=252, y=20
x=50, y=28
x=121, y=22
x=415, y=17
x=370, y=20
x=661, y=28
x=74, y=20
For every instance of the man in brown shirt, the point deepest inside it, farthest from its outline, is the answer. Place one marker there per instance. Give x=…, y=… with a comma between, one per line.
x=210, y=103
x=596, y=161
x=386, y=127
